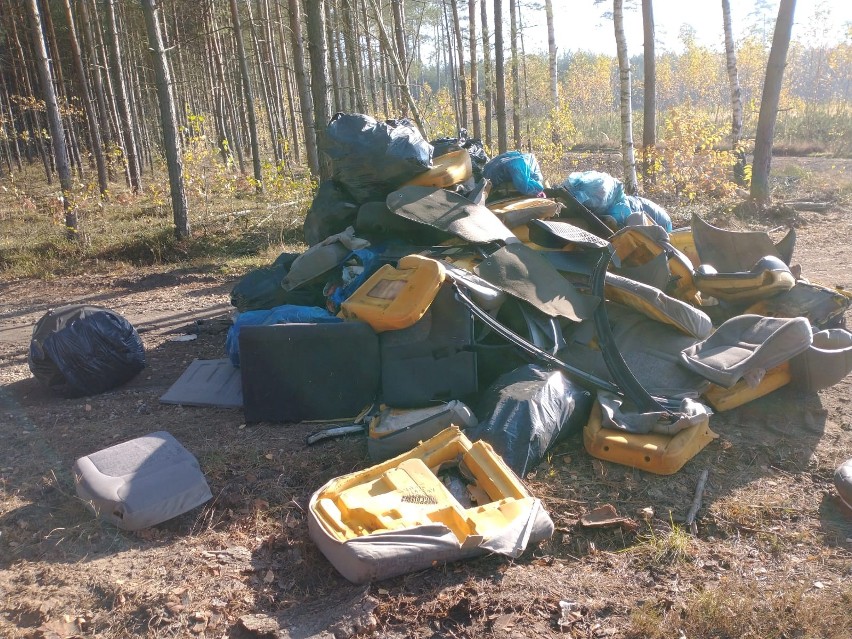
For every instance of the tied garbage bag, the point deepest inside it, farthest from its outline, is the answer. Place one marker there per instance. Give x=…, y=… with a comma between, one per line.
x=528, y=410
x=520, y=169
x=285, y=314
x=332, y=210
x=261, y=288
x=372, y=158
x=598, y=191
x=478, y=157
x=84, y=350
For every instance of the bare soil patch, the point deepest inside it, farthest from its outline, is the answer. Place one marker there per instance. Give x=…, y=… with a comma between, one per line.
x=772, y=555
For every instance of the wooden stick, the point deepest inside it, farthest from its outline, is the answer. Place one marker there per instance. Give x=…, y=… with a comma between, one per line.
x=696, y=501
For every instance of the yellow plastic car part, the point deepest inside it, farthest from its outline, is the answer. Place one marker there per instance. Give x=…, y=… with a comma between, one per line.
x=723, y=399
x=405, y=491
x=683, y=241
x=395, y=298
x=635, y=248
x=448, y=169
x=659, y=454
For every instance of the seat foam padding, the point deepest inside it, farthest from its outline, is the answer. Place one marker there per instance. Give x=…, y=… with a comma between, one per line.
x=734, y=251
x=825, y=362
x=767, y=278
x=843, y=482
x=722, y=399
x=141, y=482
x=747, y=343
x=657, y=305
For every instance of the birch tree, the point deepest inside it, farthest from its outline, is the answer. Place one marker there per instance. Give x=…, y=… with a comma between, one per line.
x=628, y=157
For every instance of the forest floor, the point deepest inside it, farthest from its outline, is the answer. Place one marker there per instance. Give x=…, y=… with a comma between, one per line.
x=771, y=557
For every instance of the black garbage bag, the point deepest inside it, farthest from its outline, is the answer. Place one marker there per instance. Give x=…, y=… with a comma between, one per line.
x=526, y=411
x=84, y=350
x=478, y=156
x=332, y=210
x=261, y=288
x=372, y=158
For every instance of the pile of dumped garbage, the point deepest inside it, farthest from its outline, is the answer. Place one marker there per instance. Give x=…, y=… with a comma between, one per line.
x=466, y=317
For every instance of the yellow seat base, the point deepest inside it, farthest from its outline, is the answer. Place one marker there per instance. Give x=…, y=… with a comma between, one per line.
x=723, y=399
x=659, y=454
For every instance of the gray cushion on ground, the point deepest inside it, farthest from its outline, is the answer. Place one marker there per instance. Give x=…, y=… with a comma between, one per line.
x=747, y=343
x=141, y=482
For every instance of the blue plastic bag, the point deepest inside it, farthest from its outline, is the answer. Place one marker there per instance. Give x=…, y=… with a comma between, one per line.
x=285, y=314
x=521, y=169
x=639, y=204
x=596, y=190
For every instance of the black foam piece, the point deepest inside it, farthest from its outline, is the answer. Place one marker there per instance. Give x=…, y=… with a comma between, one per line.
x=433, y=360
x=297, y=372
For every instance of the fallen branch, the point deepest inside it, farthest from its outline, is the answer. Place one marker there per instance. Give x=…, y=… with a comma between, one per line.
x=819, y=207
x=696, y=501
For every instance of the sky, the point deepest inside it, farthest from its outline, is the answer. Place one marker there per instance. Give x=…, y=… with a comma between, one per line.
x=579, y=24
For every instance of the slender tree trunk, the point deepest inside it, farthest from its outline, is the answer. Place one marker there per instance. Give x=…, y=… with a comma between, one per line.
x=317, y=50
x=265, y=85
x=248, y=95
x=451, y=65
x=474, y=72
x=516, y=74
x=305, y=101
x=372, y=90
x=733, y=77
x=123, y=101
x=486, y=78
x=551, y=54
x=628, y=158
x=168, y=117
x=350, y=38
x=12, y=135
x=500, y=73
x=401, y=49
x=769, y=102
x=53, y=118
x=331, y=57
x=415, y=112
x=88, y=103
x=288, y=83
x=460, y=53
x=649, y=121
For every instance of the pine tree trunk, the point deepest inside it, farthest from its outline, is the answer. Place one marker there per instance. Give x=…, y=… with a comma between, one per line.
x=474, y=77
x=500, y=73
x=305, y=101
x=516, y=74
x=288, y=83
x=88, y=103
x=733, y=77
x=331, y=55
x=248, y=95
x=460, y=53
x=486, y=77
x=350, y=38
x=649, y=113
x=373, y=88
x=53, y=118
x=769, y=102
x=551, y=54
x=401, y=50
x=229, y=119
x=263, y=80
x=168, y=118
x=628, y=157
x=12, y=134
x=123, y=101
x=406, y=90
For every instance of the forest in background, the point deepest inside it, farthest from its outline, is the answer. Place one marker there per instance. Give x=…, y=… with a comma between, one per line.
x=253, y=83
